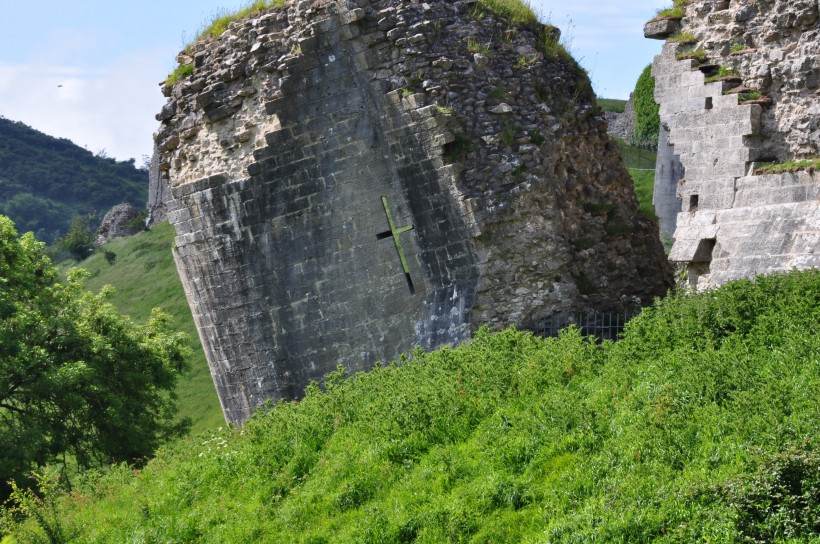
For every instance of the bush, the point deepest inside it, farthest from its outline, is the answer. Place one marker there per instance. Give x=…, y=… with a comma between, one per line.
x=80, y=384
x=80, y=241
x=700, y=425
x=647, y=112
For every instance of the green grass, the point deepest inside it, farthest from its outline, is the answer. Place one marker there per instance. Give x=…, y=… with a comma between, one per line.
x=683, y=37
x=517, y=11
x=677, y=11
x=699, y=426
x=474, y=46
x=641, y=166
x=216, y=26
x=635, y=157
x=644, y=183
x=219, y=24
x=749, y=95
x=722, y=73
x=697, y=54
x=791, y=166
x=180, y=72
x=612, y=104
x=144, y=276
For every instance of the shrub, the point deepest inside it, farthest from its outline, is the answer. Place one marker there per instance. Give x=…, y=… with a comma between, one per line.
x=781, y=500
x=80, y=240
x=180, y=72
x=647, y=111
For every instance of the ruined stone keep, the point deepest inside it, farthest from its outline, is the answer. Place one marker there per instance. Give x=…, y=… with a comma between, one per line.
x=352, y=179
x=752, y=97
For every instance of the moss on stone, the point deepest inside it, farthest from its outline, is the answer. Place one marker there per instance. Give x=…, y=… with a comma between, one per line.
x=809, y=165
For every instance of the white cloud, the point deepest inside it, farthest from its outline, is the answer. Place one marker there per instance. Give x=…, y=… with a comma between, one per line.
x=111, y=108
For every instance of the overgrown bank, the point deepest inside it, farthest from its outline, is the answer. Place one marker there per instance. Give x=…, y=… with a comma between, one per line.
x=699, y=426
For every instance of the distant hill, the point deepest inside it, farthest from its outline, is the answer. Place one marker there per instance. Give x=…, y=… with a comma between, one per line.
x=44, y=181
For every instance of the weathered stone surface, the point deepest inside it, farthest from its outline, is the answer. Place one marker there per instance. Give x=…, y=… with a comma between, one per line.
x=119, y=221
x=712, y=135
x=346, y=121
x=622, y=125
x=660, y=29
x=159, y=192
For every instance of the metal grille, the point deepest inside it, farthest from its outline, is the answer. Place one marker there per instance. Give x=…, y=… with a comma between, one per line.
x=603, y=326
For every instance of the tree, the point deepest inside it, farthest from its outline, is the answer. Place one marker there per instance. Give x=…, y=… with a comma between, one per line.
x=80, y=240
x=647, y=117
x=76, y=378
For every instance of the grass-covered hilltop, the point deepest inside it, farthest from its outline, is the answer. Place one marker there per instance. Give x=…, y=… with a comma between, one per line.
x=700, y=425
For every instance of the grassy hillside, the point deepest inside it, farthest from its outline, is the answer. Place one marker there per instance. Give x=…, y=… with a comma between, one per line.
x=641, y=166
x=45, y=180
x=612, y=104
x=144, y=276
x=699, y=426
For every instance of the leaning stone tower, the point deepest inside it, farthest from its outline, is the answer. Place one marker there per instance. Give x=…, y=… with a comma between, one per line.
x=351, y=179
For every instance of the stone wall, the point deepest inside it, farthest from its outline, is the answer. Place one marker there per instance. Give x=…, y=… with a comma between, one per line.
x=753, y=99
x=353, y=179
x=159, y=193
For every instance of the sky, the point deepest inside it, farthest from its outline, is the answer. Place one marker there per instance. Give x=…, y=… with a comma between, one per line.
x=89, y=70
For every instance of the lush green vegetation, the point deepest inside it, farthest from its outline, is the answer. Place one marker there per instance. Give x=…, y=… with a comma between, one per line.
x=724, y=72
x=79, y=383
x=45, y=181
x=144, y=276
x=644, y=183
x=647, y=116
x=219, y=23
x=699, y=426
x=517, y=11
x=636, y=157
x=80, y=241
x=180, y=72
x=641, y=166
x=694, y=54
x=683, y=37
x=677, y=11
x=791, y=166
x=612, y=104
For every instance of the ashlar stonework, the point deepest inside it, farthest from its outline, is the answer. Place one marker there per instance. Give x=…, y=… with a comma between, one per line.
x=753, y=97
x=354, y=179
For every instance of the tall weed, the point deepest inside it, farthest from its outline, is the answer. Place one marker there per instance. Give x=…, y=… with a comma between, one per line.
x=699, y=426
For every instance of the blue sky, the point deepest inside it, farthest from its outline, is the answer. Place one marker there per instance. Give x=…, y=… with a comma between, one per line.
x=88, y=70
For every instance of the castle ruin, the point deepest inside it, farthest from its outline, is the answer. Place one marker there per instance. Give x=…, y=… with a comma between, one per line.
x=351, y=179
x=738, y=83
